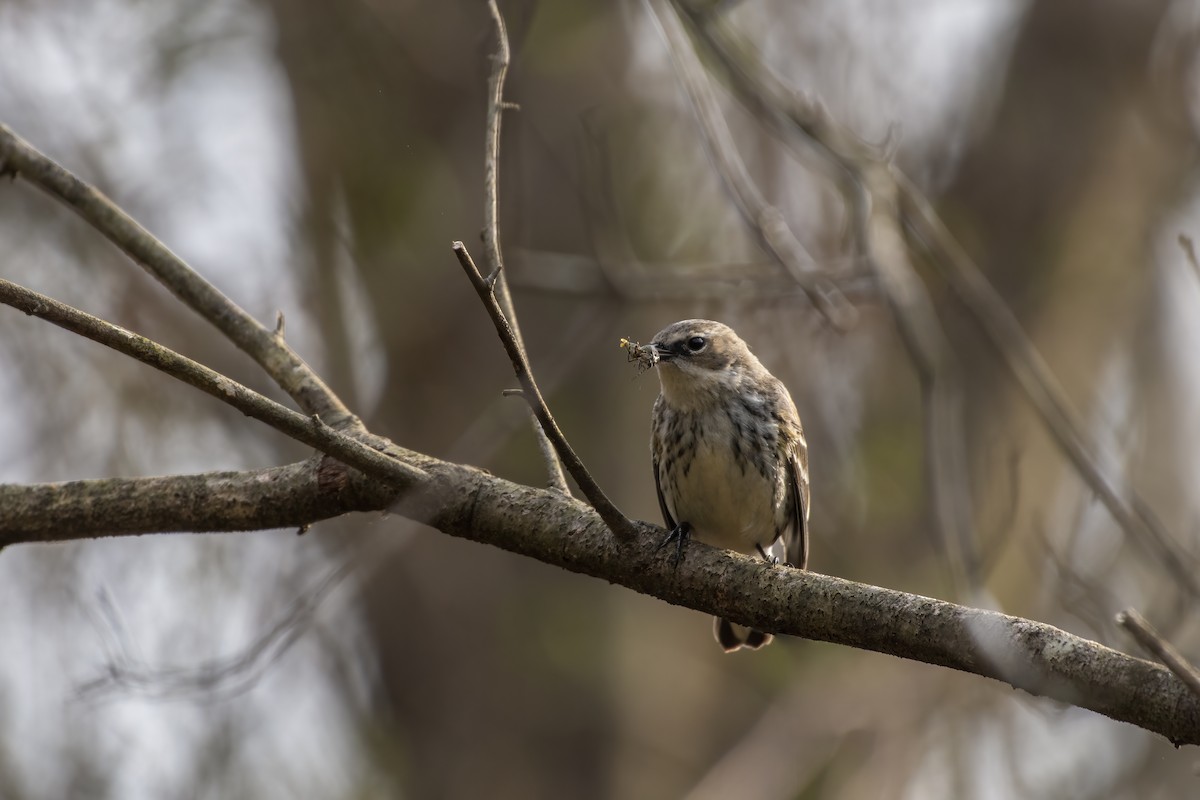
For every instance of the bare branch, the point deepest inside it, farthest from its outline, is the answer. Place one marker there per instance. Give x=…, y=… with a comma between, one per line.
x=622, y=527
x=274, y=355
x=280, y=497
x=1160, y=648
x=559, y=530
x=491, y=229
x=309, y=430
x=1038, y=658
x=562, y=531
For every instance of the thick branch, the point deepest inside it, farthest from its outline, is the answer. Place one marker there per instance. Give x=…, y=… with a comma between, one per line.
x=560, y=530
x=271, y=352
x=294, y=495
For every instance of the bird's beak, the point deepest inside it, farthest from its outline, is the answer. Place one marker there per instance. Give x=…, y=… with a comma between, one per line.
x=662, y=352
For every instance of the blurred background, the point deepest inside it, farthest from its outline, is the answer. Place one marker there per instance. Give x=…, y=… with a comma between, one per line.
x=318, y=158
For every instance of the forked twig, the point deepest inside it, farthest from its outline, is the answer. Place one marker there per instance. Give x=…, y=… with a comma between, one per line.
x=271, y=352
x=309, y=430
x=617, y=522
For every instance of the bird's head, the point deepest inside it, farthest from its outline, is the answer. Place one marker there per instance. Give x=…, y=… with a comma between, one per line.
x=699, y=359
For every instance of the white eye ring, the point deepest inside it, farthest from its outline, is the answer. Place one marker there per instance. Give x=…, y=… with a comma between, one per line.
x=696, y=344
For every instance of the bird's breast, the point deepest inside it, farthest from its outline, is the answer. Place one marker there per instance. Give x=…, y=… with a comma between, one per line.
x=718, y=479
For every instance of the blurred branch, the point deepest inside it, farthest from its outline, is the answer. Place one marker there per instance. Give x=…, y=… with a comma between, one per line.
x=1160, y=648
x=766, y=220
x=885, y=197
x=1189, y=250
x=622, y=527
x=216, y=678
x=880, y=241
x=562, y=531
x=491, y=229
x=748, y=281
x=270, y=351
x=1042, y=388
x=309, y=430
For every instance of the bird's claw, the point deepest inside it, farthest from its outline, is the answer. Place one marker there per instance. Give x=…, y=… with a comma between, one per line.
x=680, y=535
x=767, y=557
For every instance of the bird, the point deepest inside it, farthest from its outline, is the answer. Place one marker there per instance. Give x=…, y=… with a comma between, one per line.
x=729, y=455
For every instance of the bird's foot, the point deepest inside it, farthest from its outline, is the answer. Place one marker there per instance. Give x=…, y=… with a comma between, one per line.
x=767, y=557
x=680, y=535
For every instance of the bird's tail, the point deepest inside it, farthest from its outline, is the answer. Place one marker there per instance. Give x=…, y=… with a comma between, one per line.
x=733, y=637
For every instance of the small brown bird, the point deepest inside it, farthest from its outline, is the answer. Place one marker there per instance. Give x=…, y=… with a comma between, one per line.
x=730, y=460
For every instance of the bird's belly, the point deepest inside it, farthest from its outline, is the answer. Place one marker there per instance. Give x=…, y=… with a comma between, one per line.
x=726, y=506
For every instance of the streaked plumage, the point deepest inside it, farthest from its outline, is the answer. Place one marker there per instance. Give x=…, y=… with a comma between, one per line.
x=730, y=460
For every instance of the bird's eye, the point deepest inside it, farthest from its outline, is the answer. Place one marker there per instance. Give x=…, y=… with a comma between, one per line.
x=696, y=344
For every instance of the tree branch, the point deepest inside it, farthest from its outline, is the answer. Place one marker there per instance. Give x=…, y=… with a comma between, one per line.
x=309, y=430
x=622, y=527
x=560, y=530
x=271, y=352
x=1042, y=389
x=290, y=496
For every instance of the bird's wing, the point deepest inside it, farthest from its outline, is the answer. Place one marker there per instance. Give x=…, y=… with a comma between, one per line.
x=797, y=545
x=668, y=520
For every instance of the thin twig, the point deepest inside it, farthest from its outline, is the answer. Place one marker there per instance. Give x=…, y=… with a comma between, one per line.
x=620, y=525
x=1160, y=648
x=309, y=430
x=491, y=228
x=763, y=218
x=262, y=344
